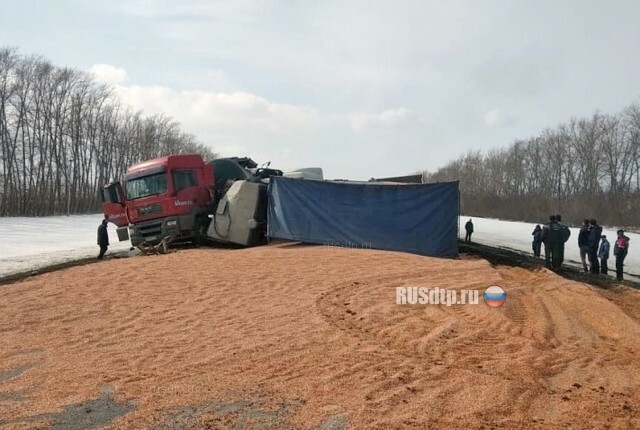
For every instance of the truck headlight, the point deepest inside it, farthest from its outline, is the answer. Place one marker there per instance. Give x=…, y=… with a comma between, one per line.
x=172, y=223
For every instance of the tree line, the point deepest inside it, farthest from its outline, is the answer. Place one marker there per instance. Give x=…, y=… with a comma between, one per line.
x=584, y=168
x=63, y=136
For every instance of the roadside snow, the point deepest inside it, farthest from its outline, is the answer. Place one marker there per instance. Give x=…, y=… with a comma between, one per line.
x=517, y=235
x=28, y=244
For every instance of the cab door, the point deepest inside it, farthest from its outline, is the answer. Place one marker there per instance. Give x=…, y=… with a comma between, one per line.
x=113, y=204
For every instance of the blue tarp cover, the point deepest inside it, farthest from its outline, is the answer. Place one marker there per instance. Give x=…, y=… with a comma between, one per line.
x=420, y=218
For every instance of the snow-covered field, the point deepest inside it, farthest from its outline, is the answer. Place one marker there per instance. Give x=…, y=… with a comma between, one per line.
x=517, y=235
x=29, y=244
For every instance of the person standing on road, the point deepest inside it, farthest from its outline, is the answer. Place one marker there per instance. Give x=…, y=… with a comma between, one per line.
x=595, y=232
x=620, y=250
x=565, y=234
x=552, y=237
x=556, y=242
x=546, y=241
x=469, y=229
x=583, y=243
x=103, y=238
x=537, y=240
x=603, y=254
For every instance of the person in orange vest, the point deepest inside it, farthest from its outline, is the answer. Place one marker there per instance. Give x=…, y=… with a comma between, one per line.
x=620, y=250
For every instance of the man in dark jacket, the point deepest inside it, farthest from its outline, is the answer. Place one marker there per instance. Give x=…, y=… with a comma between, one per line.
x=583, y=243
x=620, y=250
x=565, y=233
x=603, y=254
x=552, y=237
x=103, y=238
x=555, y=239
x=536, y=244
x=595, y=232
x=469, y=229
x=546, y=242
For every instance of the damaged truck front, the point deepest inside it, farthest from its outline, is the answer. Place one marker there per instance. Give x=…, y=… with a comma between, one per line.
x=168, y=197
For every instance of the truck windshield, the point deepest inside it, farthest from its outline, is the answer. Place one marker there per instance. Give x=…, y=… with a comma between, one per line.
x=146, y=186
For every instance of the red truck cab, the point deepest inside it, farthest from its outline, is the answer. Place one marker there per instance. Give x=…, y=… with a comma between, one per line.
x=165, y=197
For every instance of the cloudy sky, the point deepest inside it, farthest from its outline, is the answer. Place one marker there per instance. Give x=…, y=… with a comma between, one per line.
x=360, y=88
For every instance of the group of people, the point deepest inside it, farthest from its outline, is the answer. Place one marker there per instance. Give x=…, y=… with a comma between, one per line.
x=553, y=235
x=599, y=254
x=592, y=243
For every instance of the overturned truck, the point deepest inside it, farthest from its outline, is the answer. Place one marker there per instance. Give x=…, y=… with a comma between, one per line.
x=181, y=198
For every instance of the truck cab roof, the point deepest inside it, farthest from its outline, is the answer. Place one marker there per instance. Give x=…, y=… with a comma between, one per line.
x=188, y=160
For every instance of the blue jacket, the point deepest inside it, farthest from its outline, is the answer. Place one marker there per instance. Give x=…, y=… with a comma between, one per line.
x=604, y=249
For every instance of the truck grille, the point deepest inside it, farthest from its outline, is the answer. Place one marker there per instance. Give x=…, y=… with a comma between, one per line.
x=152, y=209
x=151, y=232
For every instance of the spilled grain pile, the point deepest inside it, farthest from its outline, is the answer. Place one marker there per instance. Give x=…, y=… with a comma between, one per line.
x=294, y=336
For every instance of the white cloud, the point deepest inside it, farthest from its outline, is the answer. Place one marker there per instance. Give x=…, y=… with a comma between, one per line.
x=361, y=121
x=109, y=74
x=289, y=135
x=240, y=112
x=236, y=123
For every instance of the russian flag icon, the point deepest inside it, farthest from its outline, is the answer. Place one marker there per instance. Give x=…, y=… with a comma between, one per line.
x=494, y=296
